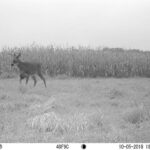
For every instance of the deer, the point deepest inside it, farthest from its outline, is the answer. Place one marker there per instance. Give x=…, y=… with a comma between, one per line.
x=28, y=69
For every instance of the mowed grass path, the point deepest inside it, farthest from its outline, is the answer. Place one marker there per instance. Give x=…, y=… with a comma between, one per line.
x=75, y=110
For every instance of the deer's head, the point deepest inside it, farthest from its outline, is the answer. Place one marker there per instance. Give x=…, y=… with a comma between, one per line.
x=16, y=59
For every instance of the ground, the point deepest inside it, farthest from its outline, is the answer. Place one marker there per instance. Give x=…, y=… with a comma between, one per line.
x=75, y=110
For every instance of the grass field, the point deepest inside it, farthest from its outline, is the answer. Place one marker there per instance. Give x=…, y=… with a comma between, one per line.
x=75, y=110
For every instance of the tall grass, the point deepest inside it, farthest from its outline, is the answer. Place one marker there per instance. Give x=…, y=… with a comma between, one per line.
x=81, y=61
x=76, y=123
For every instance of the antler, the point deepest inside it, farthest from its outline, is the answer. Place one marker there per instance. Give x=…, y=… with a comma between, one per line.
x=19, y=55
x=16, y=55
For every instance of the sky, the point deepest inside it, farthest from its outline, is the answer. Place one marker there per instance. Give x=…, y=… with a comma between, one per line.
x=111, y=23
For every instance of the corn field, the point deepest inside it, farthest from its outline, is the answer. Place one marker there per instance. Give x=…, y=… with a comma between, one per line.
x=80, y=62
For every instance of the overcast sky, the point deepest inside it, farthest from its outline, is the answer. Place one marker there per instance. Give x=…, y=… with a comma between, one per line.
x=112, y=23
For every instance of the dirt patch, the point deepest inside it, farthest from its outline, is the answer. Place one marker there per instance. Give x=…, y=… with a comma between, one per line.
x=115, y=94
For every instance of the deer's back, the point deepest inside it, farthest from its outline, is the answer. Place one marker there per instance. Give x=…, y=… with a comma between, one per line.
x=30, y=68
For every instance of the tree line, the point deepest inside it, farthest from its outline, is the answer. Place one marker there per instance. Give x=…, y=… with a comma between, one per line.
x=80, y=61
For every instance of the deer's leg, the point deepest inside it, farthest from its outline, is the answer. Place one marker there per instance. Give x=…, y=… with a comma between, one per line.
x=21, y=78
x=42, y=78
x=27, y=79
x=34, y=78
